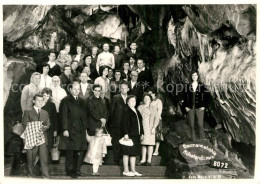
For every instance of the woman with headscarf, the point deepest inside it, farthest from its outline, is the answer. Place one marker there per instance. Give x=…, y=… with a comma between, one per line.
x=29, y=91
x=58, y=93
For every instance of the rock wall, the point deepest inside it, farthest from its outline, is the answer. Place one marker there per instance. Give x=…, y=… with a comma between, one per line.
x=224, y=53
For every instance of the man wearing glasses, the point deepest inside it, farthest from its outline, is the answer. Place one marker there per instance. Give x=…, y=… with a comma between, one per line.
x=97, y=110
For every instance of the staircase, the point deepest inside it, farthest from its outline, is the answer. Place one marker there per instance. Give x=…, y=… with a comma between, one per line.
x=110, y=171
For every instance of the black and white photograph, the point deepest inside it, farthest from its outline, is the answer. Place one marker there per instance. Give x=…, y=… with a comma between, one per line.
x=129, y=91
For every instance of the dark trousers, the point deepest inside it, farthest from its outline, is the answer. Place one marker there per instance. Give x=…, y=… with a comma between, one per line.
x=74, y=160
x=43, y=156
x=199, y=114
x=116, y=136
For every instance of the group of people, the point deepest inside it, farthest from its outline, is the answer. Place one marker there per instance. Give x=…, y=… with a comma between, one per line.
x=78, y=98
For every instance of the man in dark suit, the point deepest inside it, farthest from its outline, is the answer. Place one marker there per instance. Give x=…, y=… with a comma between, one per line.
x=37, y=114
x=116, y=110
x=118, y=58
x=135, y=88
x=85, y=87
x=145, y=77
x=97, y=110
x=133, y=51
x=66, y=78
x=74, y=127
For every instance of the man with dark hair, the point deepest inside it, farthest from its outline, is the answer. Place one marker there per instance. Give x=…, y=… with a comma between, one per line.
x=133, y=51
x=54, y=68
x=36, y=122
x=118, y=57
x=74, y=127
x=135, y=88
x=75, y=70
x=97, y=110
x=145, y=77
x=66, y=78
x=132, y=64
x=116, y=110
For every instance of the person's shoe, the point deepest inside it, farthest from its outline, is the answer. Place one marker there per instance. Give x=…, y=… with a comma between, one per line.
x=95, y=174
x=141, y=163
x=73, y=175
x=148, y=163
x=128, y=174
x=78, y=173
x=137, y=174
x=155, y=154
x=116, y=163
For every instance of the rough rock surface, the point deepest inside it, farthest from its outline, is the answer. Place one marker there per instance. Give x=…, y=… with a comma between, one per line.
x=227, y=65
x=16, y=17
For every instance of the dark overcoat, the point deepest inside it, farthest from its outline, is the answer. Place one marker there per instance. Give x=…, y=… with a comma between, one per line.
x=73, y=118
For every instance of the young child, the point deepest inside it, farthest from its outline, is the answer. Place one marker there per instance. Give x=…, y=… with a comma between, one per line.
x=96, y=150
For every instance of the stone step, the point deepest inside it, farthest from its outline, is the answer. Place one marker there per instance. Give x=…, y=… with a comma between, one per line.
x=64, y=177
x=109, y=160
x=110, y=170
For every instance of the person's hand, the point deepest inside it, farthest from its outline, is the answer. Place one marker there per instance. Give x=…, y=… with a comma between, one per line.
x=187, y=109
x=55, y=134
x=202, y=108
x=142, y=137
x=44, y=128
x=103, y=154
x=126, y=137
x=66, y=133
x=153, y=131
x=103, y=122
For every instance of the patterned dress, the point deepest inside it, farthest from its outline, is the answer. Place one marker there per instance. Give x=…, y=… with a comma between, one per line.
x=157, y=106
x=148, y=123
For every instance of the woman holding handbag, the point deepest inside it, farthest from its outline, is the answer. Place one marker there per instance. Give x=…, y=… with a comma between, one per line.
x=132, y=129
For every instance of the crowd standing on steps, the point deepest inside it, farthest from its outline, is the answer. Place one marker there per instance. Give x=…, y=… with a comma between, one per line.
x=80, y=96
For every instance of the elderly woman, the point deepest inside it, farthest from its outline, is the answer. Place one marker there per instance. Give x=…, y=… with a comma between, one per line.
x=51, y=109
x=157, y=105
x=148, y=112
x=132, y=129
x=104, y=82
x=195, y=101
x=58, y=93
x=46, y=80
x=29, y=91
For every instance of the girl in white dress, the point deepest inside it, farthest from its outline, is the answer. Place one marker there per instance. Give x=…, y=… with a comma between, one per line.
x=97, y=149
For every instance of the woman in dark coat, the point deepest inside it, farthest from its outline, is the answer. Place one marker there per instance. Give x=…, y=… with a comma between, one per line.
x=195, y=101
x=51, y=109
x=132, y=129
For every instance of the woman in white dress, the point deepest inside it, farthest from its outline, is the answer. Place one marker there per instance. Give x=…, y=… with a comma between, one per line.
x=157, y=105
x=104, y=82
x=46, y=80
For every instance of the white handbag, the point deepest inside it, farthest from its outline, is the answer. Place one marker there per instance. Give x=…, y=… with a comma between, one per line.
x=124, y=142
x=108, y=138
